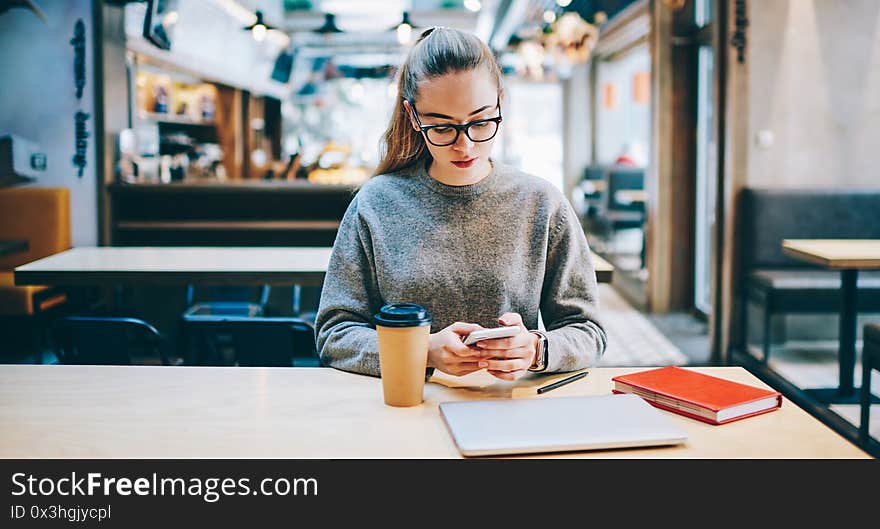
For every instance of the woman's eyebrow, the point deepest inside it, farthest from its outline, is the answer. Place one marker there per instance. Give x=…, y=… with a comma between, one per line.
x=444, y=116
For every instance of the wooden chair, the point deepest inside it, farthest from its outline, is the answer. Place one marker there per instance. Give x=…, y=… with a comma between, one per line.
x=40, y=216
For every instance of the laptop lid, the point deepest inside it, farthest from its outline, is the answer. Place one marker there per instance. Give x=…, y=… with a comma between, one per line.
x=557, y=424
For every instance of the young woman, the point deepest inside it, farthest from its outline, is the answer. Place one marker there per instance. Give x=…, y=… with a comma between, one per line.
x=477, y=243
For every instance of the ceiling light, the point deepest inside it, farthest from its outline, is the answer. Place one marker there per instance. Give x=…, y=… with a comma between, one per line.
x=549, y=16
x=259, y=28
x=563, y=3
x=329, y=25
x=404, y=29
x=475, y=5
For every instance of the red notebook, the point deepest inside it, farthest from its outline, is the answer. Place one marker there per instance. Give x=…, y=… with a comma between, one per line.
x=699, y=396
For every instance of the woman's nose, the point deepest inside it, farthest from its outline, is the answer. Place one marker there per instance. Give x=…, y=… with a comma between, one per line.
x=463, y=143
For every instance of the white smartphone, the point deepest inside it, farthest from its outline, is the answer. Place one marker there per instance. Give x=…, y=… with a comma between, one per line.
x=490, y=334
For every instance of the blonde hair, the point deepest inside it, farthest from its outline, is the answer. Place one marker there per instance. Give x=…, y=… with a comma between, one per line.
x=438, y=51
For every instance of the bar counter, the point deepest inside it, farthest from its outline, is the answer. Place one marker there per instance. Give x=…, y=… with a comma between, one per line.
x=229, y=213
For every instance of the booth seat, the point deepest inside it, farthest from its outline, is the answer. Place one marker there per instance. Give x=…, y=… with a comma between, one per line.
x=780, y=284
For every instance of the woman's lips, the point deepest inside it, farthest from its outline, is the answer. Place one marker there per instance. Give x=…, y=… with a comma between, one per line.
x=465, y=164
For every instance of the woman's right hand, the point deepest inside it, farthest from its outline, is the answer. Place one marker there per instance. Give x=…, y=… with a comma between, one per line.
x=449, y=354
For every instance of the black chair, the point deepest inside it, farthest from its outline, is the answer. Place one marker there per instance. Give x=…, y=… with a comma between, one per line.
x=106, y=341
x=870, y=362
x=227, y=300
x=305, y=302
x=613, y=214
x=238, y=341
x=592, y=185
x=618, y=214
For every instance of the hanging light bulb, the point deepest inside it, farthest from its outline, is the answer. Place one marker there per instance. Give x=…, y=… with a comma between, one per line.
x=404, y=29
x=404, y=33
x=259, y=28
x=259, y=32
x=475, y=5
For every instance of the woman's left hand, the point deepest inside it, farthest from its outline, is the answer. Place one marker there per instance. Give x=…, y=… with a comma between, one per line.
x=509, y=358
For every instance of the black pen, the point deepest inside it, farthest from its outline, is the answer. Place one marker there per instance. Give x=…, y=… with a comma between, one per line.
x=562, y=382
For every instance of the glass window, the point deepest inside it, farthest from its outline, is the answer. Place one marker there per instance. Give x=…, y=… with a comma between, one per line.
x=704, y=12
x=530, y=137
x=706, y=180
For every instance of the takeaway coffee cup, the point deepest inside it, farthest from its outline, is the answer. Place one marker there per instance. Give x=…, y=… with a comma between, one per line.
x=403, y=330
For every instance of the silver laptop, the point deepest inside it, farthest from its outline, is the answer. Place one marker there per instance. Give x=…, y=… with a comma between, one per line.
x=557, y=424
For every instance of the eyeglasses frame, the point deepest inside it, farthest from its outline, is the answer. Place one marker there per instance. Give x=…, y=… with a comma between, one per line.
x=458, y=128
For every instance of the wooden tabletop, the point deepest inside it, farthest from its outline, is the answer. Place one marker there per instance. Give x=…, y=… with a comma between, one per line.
x=835, y=253
x=183, y=265
x=628, y=196
x=8, y=247
x=593, y=186
x=604, y=269
x=178, y=265
x=52, y=411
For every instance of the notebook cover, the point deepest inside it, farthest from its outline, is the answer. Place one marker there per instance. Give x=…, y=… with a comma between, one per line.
x=702, y=390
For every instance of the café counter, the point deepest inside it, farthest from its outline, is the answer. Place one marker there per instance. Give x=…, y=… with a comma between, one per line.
x=232, y=213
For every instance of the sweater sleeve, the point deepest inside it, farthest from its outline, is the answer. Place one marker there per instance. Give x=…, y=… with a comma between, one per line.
x=346, y=339
x=569, y=299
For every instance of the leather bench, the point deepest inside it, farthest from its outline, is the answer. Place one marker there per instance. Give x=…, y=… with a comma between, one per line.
x=780, y=284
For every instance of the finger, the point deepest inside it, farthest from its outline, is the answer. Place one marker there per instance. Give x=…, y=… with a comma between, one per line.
x=508, y=375
x=463, y=329
x=461, y=350
x=511, y=318
x=522, y=339
x=464, y=368
x=508, y=354
x=516, y=364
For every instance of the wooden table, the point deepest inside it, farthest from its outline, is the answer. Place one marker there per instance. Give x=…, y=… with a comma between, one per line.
x=593, y=186
x=604, y=269
x=178, y=266
x=630, y=196
x=304, y=266
x=849, y=256
x=9, y=247
x=52, y=411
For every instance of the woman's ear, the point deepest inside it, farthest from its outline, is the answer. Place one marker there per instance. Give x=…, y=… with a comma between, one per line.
x=501, y=96
x=409, y=113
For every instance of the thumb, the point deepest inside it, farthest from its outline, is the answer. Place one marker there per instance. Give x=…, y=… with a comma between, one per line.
x=511, y=318
x=464, y=329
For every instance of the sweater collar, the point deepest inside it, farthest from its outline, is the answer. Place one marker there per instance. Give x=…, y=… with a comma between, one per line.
x=458, y=191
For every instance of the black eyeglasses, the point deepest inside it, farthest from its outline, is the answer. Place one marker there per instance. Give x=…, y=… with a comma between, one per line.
x=446, y=134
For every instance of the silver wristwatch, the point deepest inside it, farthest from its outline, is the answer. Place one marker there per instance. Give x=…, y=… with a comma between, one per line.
x=541, y=354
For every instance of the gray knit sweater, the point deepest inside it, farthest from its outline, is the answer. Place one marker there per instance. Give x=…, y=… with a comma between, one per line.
x=509, y=243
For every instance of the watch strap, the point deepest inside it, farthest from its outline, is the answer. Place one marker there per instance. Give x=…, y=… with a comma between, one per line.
x=541, y=357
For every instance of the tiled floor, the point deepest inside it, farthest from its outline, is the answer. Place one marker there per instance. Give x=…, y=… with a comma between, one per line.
x=632, y=339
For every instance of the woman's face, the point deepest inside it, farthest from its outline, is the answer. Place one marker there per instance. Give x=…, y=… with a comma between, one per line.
x=459, y=98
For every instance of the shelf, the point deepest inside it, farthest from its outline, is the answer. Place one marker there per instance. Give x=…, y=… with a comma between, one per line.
x=171, y=118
